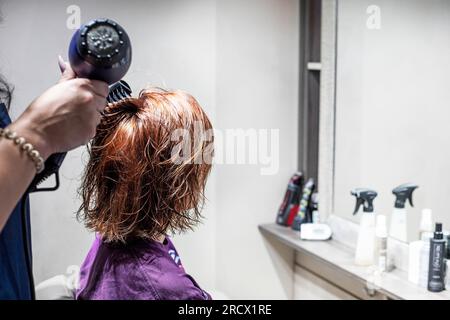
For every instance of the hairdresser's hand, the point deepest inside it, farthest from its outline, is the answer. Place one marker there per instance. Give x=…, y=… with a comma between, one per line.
x=65, y=116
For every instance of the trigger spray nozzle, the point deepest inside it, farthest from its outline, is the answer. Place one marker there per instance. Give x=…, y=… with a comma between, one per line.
x=364, y=197
x=404, y=192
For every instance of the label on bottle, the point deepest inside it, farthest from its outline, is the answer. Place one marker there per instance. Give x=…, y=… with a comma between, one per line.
x=436, y=263
x=436, y=270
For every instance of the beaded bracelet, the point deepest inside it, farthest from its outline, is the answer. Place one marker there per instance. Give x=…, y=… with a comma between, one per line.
x=24, y=146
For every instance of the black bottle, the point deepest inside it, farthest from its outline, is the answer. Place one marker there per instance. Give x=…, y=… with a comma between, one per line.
x=448, y=248
x=436, y=267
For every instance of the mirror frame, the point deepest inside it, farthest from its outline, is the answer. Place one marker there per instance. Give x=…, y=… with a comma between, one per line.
x=327, y=118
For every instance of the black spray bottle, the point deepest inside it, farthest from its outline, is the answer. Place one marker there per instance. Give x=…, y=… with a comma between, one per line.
x=436, y=269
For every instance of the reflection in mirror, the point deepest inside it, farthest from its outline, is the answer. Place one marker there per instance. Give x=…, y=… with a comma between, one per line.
x=392, y=114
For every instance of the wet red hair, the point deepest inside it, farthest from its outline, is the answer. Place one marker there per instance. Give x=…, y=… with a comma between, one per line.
x=133, y=187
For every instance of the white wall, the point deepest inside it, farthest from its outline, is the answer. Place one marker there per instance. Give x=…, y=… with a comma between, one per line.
x=239, y=58
x=392, y=105
x=257, y=87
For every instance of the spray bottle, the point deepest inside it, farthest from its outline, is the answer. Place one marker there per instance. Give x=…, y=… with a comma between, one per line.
x=365, y=246
x=398, y=219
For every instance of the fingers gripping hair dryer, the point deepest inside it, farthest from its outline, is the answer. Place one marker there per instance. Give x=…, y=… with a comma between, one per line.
x=99, y=50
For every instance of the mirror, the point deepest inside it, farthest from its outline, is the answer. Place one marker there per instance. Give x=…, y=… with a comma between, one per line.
x=392, y=113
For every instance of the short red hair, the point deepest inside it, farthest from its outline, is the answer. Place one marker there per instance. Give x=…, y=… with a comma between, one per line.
x=132, y=187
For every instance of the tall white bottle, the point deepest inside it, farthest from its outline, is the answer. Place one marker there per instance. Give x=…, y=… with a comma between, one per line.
x=399, y=223
x=366, y=243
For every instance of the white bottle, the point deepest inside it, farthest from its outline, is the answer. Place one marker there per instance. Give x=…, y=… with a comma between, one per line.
x=365, y=245
x=399, y=219
x=381, y=242
x=426, y=224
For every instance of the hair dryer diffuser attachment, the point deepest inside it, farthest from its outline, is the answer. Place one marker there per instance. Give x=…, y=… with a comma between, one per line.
x=100, y=50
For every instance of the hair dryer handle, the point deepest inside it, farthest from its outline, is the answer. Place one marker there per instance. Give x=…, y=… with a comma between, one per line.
x=52, y=165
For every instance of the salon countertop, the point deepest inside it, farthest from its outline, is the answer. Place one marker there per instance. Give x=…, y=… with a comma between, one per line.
x=393, y=284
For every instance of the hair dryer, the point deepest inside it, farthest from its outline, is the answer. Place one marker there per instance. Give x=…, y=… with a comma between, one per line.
x=99, y=50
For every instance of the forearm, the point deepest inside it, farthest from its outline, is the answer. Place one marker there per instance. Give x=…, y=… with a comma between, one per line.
x=17, y=170
x=16, y=173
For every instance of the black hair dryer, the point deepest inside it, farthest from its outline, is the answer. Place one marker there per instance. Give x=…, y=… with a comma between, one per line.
x=99, y=50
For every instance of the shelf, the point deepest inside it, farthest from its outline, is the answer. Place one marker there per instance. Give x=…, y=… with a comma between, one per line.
x=393, y=284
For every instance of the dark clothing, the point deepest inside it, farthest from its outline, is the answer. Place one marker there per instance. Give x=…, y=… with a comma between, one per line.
x=14, y=280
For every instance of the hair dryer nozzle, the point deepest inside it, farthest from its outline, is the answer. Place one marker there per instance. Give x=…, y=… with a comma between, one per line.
x=100, y=50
